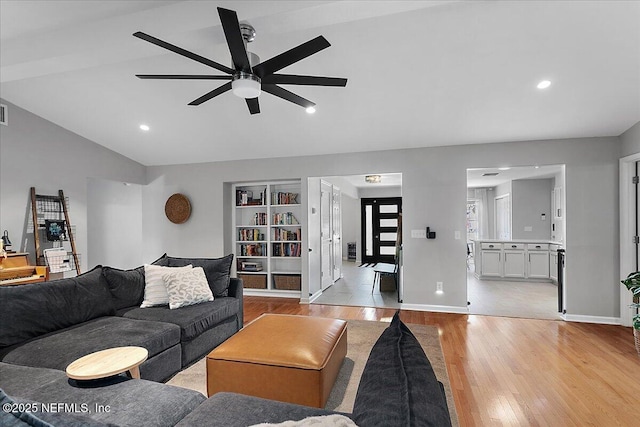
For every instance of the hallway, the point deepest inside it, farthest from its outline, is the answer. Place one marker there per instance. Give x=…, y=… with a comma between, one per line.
x=354, y=289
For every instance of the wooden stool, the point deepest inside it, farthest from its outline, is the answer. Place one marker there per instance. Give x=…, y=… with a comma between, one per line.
x=288, y=358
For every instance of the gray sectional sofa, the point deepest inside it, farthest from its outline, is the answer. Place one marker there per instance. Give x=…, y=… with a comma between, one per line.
x=50, y=324
x=397, y=388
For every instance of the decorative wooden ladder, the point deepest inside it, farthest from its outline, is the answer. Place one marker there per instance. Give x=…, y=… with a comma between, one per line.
x=45, y=207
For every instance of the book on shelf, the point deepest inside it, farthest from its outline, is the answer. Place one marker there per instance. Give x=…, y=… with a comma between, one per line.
x=260, y=218
x=280, y=234
x=284, y=198
x=286, y=249
x=250, y=234
x=284, y=218
x=249, y=266
x=257, y=249
x=245, y=198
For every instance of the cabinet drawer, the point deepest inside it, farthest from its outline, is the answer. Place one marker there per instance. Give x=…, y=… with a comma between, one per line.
x=538, y=246
x=492, y=246
x=519, y=246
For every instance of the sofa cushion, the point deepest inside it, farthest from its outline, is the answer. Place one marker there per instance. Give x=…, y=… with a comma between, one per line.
x=16, y=415
x=217, y=270
x=238, y=410
x=127, y=286
x=56, y=350
x=193, y=320
x=32, y=310
x=130, y=402
x=155, y=287
x=398, y=385
x=188, y=287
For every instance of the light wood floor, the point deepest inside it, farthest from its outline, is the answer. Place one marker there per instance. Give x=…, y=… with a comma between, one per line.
x=517, y=372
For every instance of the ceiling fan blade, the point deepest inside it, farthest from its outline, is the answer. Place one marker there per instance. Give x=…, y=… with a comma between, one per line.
x=254, y=105
x=231, y=28
x=222, y=89
x=290, y=79
x=183, y=52
x=182, y=77
x=291, y=56
x=285, y=94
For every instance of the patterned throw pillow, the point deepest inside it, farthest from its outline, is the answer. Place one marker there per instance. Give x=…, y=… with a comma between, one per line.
x=187, y=287
x=155, y=288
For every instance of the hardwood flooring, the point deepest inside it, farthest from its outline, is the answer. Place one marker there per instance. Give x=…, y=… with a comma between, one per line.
x=517, y=372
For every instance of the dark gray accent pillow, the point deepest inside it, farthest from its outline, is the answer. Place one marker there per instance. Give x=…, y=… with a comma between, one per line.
x=127, y=286
x=398, y=385
x=217, y=270
x=35, y=309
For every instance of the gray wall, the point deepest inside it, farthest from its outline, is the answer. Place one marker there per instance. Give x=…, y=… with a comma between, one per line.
x=37, y=153
x=530, y=198
x=434, y=194
x=114, y=223
x=630, y=141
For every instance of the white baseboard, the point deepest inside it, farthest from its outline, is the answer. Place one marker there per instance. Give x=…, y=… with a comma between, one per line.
x=435, y=308
x=265, y=293
x=315, y=296
x=592, y=319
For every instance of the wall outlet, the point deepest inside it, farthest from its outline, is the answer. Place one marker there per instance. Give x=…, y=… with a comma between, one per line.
x=528, y=228
x=419, y=234
x=439, y=287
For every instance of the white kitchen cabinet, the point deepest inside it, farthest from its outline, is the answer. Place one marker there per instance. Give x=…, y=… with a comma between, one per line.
x=491, y=264
x=538, y=265
x=514, y=263
x=516, y=260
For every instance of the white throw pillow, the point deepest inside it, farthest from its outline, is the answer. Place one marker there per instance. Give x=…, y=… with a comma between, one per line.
x=334, y=420
x=155, y=289
x=187, y=287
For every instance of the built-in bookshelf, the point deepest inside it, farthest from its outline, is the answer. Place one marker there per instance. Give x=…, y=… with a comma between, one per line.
x=268, y=237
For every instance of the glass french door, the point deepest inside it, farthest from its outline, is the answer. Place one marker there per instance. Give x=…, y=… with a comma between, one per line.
x=380, y=228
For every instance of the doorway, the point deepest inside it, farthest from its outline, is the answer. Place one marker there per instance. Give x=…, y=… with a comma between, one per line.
x=515, y=226
x=338, y=273
x=380, y=228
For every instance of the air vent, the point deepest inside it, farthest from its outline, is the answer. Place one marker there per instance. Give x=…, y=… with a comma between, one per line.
x=490, y=174
x=4, y=119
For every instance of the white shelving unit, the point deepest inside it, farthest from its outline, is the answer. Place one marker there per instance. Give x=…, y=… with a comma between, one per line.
x=268, y=234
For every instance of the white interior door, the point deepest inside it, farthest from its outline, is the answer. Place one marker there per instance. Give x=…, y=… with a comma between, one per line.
x=336, y=231
x=326, y=236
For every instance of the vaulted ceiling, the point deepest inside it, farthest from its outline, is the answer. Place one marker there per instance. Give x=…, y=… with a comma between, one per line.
x=420, y=73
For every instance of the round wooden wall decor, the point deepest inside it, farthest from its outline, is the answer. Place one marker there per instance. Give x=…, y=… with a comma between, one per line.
x=177, y=208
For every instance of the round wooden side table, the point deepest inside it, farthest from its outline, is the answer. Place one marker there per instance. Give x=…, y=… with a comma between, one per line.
x=109, y=362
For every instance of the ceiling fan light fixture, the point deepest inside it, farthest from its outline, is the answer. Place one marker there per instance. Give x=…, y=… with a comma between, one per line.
x=373, y=179
x=246, y=86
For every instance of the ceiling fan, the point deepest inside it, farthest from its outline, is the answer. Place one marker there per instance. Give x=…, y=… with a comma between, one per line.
x=248, y=75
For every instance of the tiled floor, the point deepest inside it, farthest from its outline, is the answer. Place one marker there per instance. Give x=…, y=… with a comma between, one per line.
x=355, y=289
x=534, y=300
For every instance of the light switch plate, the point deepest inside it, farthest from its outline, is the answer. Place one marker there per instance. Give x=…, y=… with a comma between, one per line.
x=419, y=234
x=456, y=234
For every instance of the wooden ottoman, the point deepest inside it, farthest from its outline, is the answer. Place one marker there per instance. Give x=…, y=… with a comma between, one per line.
x=288, y=358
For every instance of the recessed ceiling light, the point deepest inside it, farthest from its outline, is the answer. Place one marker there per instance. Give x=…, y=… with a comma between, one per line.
x=311, y=110
x=144, y=128
x=544, y=84
x=503, y=169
